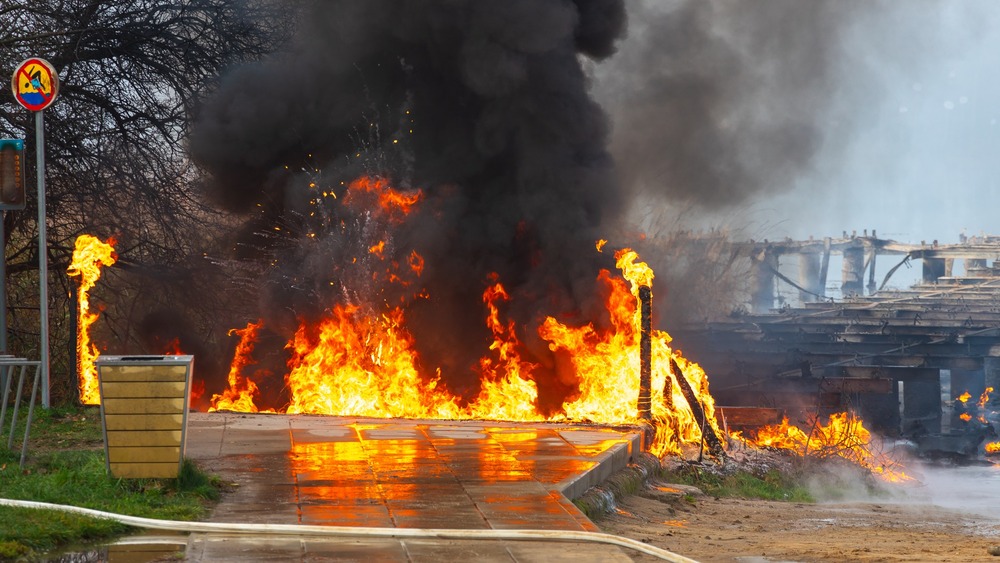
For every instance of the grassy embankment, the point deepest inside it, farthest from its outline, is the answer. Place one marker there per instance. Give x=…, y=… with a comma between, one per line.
x=66, y=466
x=770, y=485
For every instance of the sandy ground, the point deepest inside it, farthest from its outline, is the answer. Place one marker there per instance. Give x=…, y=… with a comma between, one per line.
x=754, y=531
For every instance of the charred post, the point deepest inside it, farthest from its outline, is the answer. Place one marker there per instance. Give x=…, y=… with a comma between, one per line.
x=645, y=351
x=709, y=435
x=852, y=272
x=809, y=268
x=762, y=290
x=933, y=268
x=872, y=285
x=824, y=267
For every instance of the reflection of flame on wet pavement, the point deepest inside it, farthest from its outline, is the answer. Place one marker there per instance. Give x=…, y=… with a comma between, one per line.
x=391, y=474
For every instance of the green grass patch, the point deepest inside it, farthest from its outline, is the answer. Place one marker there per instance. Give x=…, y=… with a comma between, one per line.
x=67, y=466
x=771, y=485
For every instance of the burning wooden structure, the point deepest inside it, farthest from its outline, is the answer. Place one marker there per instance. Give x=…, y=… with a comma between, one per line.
x=903, y=358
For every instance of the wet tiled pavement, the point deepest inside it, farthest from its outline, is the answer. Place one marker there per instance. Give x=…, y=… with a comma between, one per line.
x=333, y=471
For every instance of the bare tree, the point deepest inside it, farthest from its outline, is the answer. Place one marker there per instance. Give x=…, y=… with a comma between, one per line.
x=132, y=73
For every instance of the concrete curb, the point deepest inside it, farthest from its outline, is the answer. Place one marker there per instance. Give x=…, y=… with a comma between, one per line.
x=598, y=500
x=611, y=461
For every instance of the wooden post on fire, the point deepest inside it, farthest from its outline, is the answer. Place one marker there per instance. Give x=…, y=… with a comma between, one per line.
x=645, y=352
x=709, y=435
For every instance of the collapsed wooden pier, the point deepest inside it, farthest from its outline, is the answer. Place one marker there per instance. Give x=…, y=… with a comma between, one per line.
x=900, y=357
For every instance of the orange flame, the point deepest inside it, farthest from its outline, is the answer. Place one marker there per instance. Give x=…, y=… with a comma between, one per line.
x=89, y=256
x=378, y=249
x=965, y=416
x=355, y=365
x=173, y=348
x=843, y=435
x=395, y=203
x=240, y=394
x=507, y=392
x=984, y=398
x=963, y=398
x=993, y=447
x=416, y=263
x=607, y=366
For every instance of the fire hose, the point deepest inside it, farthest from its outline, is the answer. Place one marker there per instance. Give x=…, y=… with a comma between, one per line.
x=355, y=531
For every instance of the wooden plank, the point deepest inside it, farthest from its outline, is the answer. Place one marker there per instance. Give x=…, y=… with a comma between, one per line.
x=136, y=438
x=152, y=372
x=143, y=422
x=145, y=470
x=739, y=417
x=144, y=454
x=855, y=385
x=142, y=389
x=145, y=406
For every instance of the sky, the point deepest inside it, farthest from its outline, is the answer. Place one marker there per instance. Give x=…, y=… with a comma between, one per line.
x=895, y=106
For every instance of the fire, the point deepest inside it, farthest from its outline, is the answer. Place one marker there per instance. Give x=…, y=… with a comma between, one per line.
x=355, y=364
x=607, y=367
x=174, y=348
x=397, y=204
x=239, y=395
x=984, y=398
x=416, y=262
x=360, y=362
x=965, y=416
x=843, y=435
x=378, y=249
x=993, y=448
x=89, y=256
x=963, y=398
x=507, y=392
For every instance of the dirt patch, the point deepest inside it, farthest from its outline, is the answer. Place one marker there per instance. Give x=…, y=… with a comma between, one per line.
x=708, y=529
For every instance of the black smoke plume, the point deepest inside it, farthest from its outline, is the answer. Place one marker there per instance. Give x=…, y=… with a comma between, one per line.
x=717, y=103
x=483, y=106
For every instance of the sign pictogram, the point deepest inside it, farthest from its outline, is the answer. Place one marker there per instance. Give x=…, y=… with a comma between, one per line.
x=35, y=84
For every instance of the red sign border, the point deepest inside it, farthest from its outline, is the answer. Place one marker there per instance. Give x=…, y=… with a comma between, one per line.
x=53, y=77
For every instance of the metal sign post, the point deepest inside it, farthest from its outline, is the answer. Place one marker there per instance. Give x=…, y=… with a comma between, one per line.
x=43, y=256
x=36, y=84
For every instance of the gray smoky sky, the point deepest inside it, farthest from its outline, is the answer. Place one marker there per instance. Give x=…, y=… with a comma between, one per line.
x=793, y=118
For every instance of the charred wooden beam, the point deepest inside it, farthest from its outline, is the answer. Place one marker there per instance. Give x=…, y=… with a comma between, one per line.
x=708, y=431
x=743, y=417
x=645, y=351
x=851, y=385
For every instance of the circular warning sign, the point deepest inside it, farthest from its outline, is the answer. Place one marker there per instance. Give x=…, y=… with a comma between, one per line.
x=35, y=84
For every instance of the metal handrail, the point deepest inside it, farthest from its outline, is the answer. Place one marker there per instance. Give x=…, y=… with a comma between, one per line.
x=8, y=365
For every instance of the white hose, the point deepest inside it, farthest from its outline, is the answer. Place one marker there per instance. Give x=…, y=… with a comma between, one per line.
x=310, y=530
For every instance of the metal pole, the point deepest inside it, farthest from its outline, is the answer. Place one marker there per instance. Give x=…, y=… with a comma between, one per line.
x=43, y=256
x=645, y=352
x=3, y=284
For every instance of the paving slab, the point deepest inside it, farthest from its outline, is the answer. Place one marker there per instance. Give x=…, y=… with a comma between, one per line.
x=373, y=473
